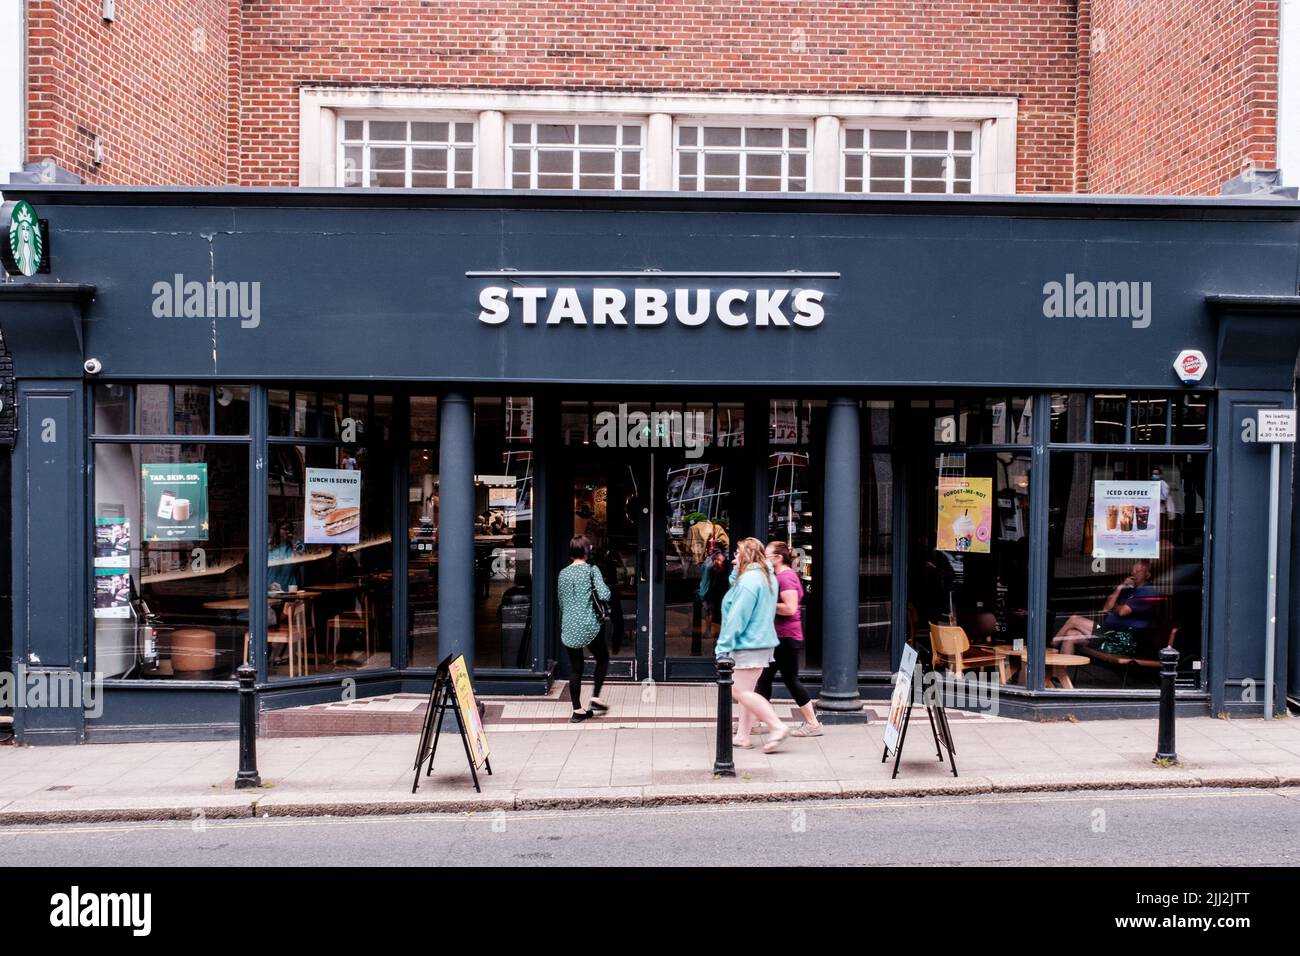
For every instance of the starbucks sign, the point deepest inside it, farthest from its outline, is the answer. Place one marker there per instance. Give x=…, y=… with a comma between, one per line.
x=26, y=242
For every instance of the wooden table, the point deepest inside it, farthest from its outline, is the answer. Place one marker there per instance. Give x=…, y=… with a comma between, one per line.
x=1057, y=665
x=241, y=603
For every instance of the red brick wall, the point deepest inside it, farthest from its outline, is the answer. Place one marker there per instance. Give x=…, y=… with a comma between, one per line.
x=1024, y=48
x=1183, y=96
x=152, y=84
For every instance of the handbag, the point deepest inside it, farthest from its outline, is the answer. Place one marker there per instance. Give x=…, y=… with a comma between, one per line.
x=601, y=608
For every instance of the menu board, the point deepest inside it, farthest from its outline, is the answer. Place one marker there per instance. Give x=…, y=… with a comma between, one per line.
x=333, y=506
x=901, y=699
x=175, y=501
x=468, y=707
x=965, y=515
x=1126, y=519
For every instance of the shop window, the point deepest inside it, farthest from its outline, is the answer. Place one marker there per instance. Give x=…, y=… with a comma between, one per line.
x=113, y=408
x=875, y=554
x=969, y=587
x=422, y=558
x=503, y=532
x=730, y=427
x=1069, y=417
x=170, y=566
x=1109, y=419
x=191, y=410
x=909, y=160
x=402, y=153
x=1191, y=419
x=742, y=158
x=330, y=538
x=589, y=155
x=1126, y=571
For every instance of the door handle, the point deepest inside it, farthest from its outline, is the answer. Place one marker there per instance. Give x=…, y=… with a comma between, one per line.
x=642, y=570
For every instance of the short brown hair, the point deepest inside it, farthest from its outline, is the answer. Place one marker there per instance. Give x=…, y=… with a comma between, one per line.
x=579, y=547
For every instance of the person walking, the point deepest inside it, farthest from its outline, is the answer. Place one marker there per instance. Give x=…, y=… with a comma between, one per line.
x=579, y=585
x=748, y=636
x=789, y=634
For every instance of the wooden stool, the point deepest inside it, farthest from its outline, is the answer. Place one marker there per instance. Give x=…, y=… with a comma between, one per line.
x=194, y=649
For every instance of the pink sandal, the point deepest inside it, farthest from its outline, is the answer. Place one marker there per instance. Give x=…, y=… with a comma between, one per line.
x=742, y=744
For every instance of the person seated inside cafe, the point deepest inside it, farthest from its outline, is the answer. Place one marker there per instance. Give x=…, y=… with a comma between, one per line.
x=279, y=576
x=1129, y=614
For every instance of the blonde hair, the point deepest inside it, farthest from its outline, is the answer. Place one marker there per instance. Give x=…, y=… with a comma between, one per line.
x=751, y=551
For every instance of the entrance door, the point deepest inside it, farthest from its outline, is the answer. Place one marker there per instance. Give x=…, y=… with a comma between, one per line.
x=652, y=519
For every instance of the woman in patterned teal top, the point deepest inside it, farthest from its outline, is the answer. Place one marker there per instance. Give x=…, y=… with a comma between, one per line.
x=579, y=626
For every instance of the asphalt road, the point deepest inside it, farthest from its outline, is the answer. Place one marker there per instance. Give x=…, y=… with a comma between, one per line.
x=1196, y=827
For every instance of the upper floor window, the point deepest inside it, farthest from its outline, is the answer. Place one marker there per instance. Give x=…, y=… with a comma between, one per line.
x=591, y=155
x=404, y=153
x=908, y=160
x=742, y=158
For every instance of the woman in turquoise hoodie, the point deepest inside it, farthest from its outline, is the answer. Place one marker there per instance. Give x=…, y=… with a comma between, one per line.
x=748, y=637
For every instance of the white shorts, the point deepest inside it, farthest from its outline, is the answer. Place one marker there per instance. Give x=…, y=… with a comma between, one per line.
x=752, y=658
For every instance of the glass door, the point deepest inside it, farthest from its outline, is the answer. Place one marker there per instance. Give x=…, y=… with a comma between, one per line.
x=610, y=505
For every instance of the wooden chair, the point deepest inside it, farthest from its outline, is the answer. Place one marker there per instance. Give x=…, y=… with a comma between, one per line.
x=293, y=634
x=950, y=648
x=356, y=620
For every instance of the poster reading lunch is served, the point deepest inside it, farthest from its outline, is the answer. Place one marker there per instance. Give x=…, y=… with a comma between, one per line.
x=1126, y=519
x=175, y=501
x=333, y=507
x=965, y=515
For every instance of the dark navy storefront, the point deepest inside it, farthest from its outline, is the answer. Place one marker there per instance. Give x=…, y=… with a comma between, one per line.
x=849, y=355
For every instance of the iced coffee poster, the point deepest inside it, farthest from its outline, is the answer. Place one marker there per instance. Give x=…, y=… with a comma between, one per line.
x=333, y=506
x=965, y=515
x=175, y=501
x=112, y=543
x=112, y=592
x=1126, y=519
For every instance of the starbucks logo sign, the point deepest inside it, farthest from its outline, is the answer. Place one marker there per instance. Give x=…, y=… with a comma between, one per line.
x=25, y=243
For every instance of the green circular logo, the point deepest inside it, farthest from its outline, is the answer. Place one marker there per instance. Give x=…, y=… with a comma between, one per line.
x=25, y=238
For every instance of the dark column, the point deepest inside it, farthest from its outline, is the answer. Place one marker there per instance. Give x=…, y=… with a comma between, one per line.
x=456, y=527
x=49, y=548
x=756, y=447
x=839, y=561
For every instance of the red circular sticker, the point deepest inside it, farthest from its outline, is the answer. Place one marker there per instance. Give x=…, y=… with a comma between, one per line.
x=1191, y=363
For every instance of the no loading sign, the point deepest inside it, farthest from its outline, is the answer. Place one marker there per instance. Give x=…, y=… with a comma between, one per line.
x=1191, y=366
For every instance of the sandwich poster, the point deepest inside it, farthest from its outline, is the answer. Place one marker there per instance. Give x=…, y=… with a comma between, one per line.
x=333, y=506
x=175, y=501
x=1126, y=519
x=965, y=515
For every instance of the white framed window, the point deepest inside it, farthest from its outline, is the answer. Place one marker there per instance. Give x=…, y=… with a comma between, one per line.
x=731, y=157
x=881, y=159
x=556, y=153
x=393, y=151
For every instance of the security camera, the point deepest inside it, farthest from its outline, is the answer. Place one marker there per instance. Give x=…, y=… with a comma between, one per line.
x=93, y=366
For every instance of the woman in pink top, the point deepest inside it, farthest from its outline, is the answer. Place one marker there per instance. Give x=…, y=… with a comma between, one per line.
x=789, y=633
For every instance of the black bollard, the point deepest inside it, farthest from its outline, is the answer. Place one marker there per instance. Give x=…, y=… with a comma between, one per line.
x=723, y=765
x=247, y=776
x=1165, y=751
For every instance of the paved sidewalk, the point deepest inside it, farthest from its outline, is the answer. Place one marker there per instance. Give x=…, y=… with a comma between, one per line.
x=638, y=766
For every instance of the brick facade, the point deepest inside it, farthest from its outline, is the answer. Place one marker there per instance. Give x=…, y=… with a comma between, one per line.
x=1177, y=97
x=151, y=84
x=1183, y=93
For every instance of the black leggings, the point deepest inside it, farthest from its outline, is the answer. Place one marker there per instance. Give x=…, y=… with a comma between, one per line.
x=601, y=653
x=786, y=660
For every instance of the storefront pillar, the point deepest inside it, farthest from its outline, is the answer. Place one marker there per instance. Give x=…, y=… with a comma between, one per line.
x=456, y=527
x=839, y=563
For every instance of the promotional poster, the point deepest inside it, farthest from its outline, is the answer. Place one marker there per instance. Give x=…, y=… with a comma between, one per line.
x=1126, y=519
x=965, y=515
x=112, y=543
x=469, y=711
x=175, y=501
x=333, y=506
